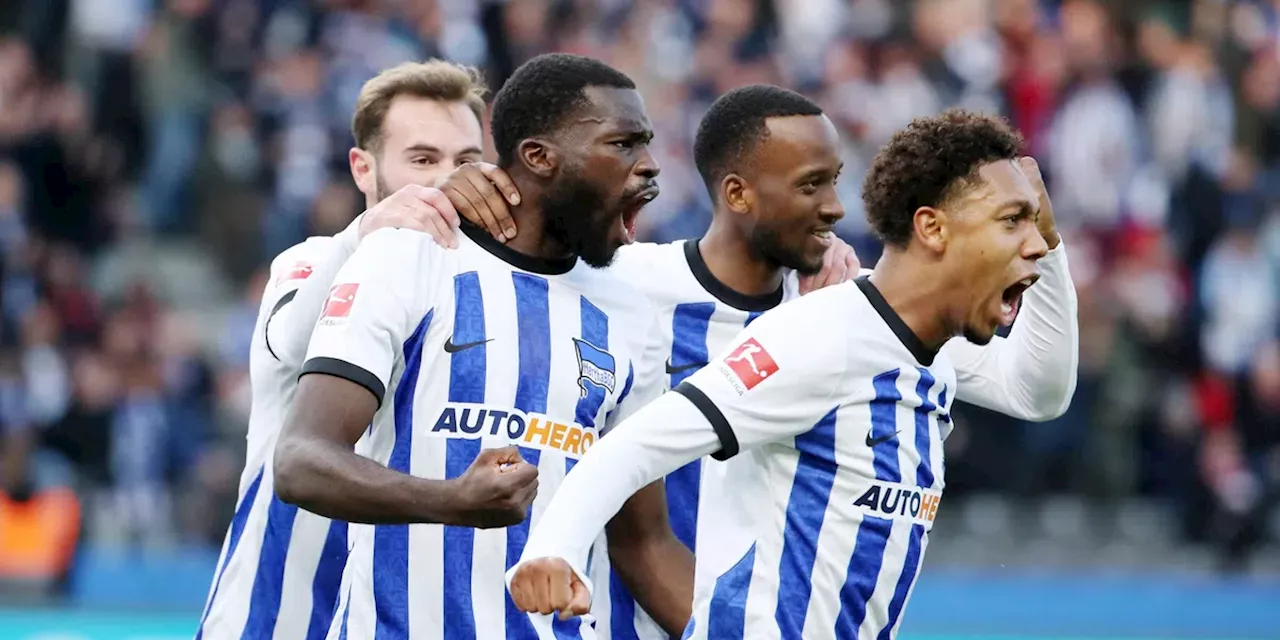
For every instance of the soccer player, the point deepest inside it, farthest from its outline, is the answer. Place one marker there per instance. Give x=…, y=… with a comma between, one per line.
x=429, y=361
x=831, y=409
x=281, y=568
x=769, y=158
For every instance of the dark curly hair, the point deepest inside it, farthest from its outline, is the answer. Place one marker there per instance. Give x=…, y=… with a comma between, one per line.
x=736, y=123
x=927, y=163
x=536, y=98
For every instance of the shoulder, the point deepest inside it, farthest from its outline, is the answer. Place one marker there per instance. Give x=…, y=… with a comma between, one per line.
x=648, y=266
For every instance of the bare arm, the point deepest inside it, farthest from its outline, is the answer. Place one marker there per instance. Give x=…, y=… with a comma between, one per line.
x=656, y=567
x=316, y=468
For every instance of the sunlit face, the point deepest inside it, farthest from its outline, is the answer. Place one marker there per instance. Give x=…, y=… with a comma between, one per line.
x=992, y=240
x=606, y=175
x=423, y=140
x=793, y=181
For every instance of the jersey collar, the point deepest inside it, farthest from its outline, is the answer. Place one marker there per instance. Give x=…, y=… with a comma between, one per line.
x=924, y=355
x=720, y=290
x=544, y=266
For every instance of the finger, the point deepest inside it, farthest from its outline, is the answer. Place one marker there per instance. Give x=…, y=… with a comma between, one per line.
x=439, y=212
x=545, y=587
x=495, y=205
x=437, y=199
x=521, y=474
x=466, y=201
x=519, y=592
x=852, y=265
x=1031, y=169
x=503, y=182
x=806, y=284
x=580, y=604
x=561, y=589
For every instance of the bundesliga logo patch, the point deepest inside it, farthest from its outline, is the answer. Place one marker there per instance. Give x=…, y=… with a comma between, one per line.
x=749, y=365
x=341, y=297
x=299, y=271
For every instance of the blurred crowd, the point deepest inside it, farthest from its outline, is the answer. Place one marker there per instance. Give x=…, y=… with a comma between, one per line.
x=155, y=154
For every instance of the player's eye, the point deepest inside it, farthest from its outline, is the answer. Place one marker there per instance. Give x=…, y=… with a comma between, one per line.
x=466, y=160
x=422, y=161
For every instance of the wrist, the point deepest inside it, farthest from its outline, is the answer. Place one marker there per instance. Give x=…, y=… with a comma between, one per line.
x=351, y=236
x=1051, y=238
x=441, y=501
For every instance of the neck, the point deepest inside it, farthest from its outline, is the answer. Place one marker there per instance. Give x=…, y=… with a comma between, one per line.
x=913, y=289
x=730, y=259
x=531, y=237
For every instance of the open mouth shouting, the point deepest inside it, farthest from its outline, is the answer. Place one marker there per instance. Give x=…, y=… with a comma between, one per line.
x=1011, y=298
x=631, y=211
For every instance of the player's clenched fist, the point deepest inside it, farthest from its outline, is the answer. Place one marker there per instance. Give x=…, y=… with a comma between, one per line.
x=547, y=585
x=496, y=490
x=415, y=207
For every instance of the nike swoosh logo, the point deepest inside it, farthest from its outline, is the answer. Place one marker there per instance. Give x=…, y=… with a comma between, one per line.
x=684, y=367
x=450, y=347
x=871, y=442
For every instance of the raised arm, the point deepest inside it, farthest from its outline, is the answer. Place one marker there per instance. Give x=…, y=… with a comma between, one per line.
x=413, y=207
x=373, y=309
x=1032, y=374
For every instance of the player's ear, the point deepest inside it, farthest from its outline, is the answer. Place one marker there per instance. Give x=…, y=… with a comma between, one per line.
x=931, y=228
x=363, y=170
x=538, y=156
x=736, y=193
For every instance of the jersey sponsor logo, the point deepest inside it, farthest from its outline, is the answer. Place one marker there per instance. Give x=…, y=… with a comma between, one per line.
x=341, y=297
x=299, y=271
x=466, y=420
x=890, y=500
x=595, y=366
x=450, y=347
x=750, y=364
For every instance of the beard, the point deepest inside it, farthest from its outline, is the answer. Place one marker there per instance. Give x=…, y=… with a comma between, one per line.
x=976, y=338
x=381, y=191
x=576, y=216
x=767, y=243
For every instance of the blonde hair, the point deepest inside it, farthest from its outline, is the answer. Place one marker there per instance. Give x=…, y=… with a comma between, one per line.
x=434, y=80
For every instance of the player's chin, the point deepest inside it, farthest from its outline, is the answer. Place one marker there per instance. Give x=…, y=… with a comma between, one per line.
x=981, y=334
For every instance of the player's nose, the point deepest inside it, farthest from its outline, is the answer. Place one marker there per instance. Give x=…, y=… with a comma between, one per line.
x=647, y=167
x=1034, y=245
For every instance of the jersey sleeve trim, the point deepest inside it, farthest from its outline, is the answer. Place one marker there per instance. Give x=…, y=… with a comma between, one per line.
x=266, y=329
x=728, y=439
x=347, y=371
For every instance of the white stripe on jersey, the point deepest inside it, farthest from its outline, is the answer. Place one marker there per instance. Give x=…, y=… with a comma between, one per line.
x=850, y=501
x=488, y=355
x=280, y=567
x=698, y=317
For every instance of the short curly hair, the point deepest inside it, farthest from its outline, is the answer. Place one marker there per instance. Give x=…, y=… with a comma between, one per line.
x=928, y=163
x=535, y=100
x=736, y=123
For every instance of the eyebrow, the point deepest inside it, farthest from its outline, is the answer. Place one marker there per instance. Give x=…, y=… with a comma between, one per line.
x=423, y=147
x=1026, y=207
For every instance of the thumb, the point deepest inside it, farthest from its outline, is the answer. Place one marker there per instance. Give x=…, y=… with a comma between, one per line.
x=580, y=602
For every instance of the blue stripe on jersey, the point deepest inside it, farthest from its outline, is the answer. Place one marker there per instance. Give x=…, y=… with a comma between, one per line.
x=689, y=325
x=924, y=472
x=391, y=542
x=622, y=609
x=237, y=528
x=910, y=566
x=884, y=422
x=806, y=509
x=328, y=580
x=595, y=331
x=863, y=573
x=346, y=617
x=467, y=375
x=268, y=581
x=728, y=614
x=533, y=313
x=751, y=317
x=626, y=390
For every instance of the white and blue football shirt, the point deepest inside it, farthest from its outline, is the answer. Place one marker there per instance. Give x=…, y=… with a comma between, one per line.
x=280, y=567
x=818, y=527
x=478, y=347
x=698, y=316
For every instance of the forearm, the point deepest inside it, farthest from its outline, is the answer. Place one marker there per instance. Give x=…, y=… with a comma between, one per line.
x=333, y=481
x=291, y=331
x=660, y=577
x=663, y=436
x=1032, y=374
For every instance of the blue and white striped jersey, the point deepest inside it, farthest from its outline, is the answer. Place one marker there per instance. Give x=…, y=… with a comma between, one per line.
x=478, y=347
x=840, y=413
x=280, y=567
x=817, y=529
x=698, y=316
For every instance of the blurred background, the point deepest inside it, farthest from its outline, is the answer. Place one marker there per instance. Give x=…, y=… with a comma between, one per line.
x=156, y=154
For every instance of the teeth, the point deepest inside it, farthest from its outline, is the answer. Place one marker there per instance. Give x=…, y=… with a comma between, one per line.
x=1028, y=281
x=1006, y=308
